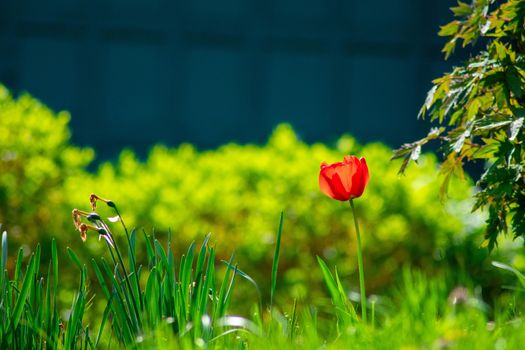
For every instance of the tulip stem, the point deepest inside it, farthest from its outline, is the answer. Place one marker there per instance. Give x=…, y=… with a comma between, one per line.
x=360, y=265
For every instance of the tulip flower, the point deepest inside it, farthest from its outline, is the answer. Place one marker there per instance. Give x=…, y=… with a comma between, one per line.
x=344, y=181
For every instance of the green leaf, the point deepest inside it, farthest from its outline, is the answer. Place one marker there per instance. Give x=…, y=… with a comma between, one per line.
x=74, y=258
x=449, y=48
x=519, y=275
x=519, y=112
x=485, y=152
x=485, y=27
x=328, y=279
x=101, y=279
x=412, y=151
x=222, y=302
x=18, y=265
x=473, y=108
x=24, y=292
x=202, y=255
x=462, y=10
x=187, y=268
x=416, y=152
x=75, y=320
x=159, y=250
x=518, y=214
x=451, y=166
x=348, y=307
x=460, y=141
x=151, y=295
x=149, y=251
x=4, y=253
x=449, y=29
x=125, y=322
x=54, y=262
x=515, y=127
x=428, y=102
x=209, y=279
x=246, y=277
x=275, y=263
x=513, y=82
x=501, y=50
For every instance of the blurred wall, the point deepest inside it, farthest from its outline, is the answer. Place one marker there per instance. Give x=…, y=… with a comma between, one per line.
x=134, y=73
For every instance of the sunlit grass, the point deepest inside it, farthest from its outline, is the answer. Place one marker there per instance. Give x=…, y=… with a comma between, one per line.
x=184, y=303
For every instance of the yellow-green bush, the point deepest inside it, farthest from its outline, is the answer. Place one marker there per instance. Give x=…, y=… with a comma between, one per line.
x=237, y=192
x=35, y=159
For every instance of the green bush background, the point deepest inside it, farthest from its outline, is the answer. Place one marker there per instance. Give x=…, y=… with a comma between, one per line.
x=237, y=192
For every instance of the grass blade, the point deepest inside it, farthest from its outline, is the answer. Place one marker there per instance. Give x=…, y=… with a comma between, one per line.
x=74, y=258
x=202, y=255
x=149, y=251
x=151, y=295
x=159, y=250
x=4, y=258
x=54, y=262
x=188, y=266
x=275, y=263
x=24, y=292
x=133, y=268
x=225, y=291
x=328, y=279
x=75, y=320
x=209, y=276
x=104, y=319
x=18, y=265
x=246, y=277
x=4, y=251
x=519, y=275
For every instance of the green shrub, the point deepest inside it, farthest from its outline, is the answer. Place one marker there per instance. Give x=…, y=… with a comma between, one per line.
x=237, y=192
x=35, y=159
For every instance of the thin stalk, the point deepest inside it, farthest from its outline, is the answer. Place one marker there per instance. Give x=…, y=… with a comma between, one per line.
x=360, y=265
x=129, y=245
x=125, y=230
x=119, y=285
x=373, y=314
x=126, y=276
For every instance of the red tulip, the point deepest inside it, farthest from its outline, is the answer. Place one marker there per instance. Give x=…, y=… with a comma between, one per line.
x=344, y=180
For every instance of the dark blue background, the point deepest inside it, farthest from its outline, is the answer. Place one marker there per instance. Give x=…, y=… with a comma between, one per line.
x=134, y=73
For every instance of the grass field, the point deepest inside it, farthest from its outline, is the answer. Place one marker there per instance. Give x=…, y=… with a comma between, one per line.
x=159, y=300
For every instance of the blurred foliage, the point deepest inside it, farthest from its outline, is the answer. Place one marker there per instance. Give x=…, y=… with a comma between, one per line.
x=480, y=108
x=35, y=159
x=236, y=192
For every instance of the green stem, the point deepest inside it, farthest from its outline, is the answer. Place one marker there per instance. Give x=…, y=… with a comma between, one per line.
x=126, y=276
x=131, y=252
x=360, y=265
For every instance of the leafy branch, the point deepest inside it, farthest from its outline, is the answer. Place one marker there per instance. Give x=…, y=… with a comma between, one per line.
x=480, y=110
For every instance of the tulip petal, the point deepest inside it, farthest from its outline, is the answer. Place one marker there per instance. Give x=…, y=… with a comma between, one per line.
x=331, y=184
x=360, y=179
x=347, y=171
x=324, y=184
x=365, y=173
x=339, y=189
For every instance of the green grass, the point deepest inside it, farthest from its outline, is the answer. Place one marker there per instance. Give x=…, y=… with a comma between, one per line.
x=29, y=317
x=156, y=299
